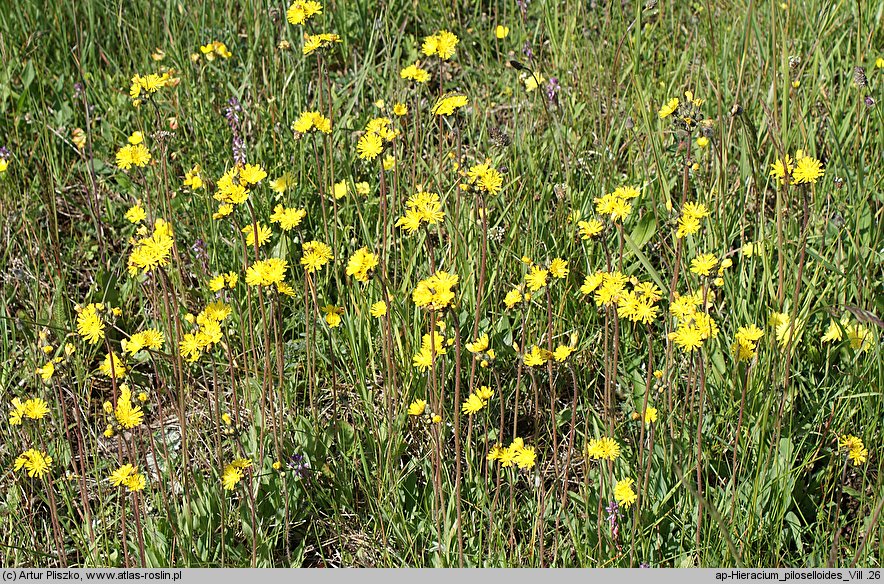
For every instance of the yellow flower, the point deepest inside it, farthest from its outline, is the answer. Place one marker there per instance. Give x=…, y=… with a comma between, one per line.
x=340, y=189
x=436, y=291
x=501, y=32
x=46, y=371
x=558, y=268
x=536, y=357
x=312, y=120
x=603, y=449
x=702, y=141
x=333, y=315
x=129, y=477
x=650, y=415
x=361, y=263
x=589, y=229
x=807, y=170
x=668, y=108
x=282, y=182
x=532, y=80
x=473, y=404
x=703, y=264
x=378, y=309
x=112, y=366
x=266, y=272
x=512, y=298
x=536, y=278
x=562, y=352
x=480, y=345
x=259, y=231
x=152, y=252
x=316, y=255
x=623, y=493
x=319, y=41
x=447, y=105
x=415, y=73
x=525, y=457
x=233, y=473
x=127, y=414
x=400, y=109
x=857, y=451
x=443, y=44
x=300, y=11
x=287, y=219
x=132, y=154
x=369, y=146
x=136, y=214
x=35, y=462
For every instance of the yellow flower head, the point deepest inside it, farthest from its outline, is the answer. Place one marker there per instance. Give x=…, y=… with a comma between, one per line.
x=623, y=493
x=316, y=255
x=443, y=44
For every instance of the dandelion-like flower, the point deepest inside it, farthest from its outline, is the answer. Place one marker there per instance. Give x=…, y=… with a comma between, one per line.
x=35, y=462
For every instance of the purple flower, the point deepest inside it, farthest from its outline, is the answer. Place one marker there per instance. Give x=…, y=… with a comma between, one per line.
x=526, y=50
x=613, y=510
x=298, y=465
x=552, y=90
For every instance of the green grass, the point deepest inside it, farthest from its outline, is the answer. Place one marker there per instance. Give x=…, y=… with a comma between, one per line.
x=742, y=466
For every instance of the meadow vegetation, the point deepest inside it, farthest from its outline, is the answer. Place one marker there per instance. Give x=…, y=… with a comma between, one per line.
x=400, y=283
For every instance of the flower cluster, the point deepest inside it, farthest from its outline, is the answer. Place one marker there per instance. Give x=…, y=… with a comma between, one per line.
x=301, y=11
x=151, y=252
x=856, y=450
x=207, y=333
x=314, y=42
x=617, y=204
x=378, y=133
x=802, y=170
x=442, y=44
x=482, y=350
x=421, y=208
x=435, y=292
x=515, y=454
x=415, y=73
x=315, y=255
x=477, y=400
x=603, y=449
x=745, y=345
x=147, y=85
x=34, y=408
x=311, y=120
x=687, y=112
x=129, y=477
x=860, y=337
x=361, y=264
x=215, y=49
x=484, y=177
x=689, y=221
x=694, y=325
x=623, y=493
x=233, y=472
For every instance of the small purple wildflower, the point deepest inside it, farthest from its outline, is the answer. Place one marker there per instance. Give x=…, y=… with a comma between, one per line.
x=552, y=90
x=298, y=465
